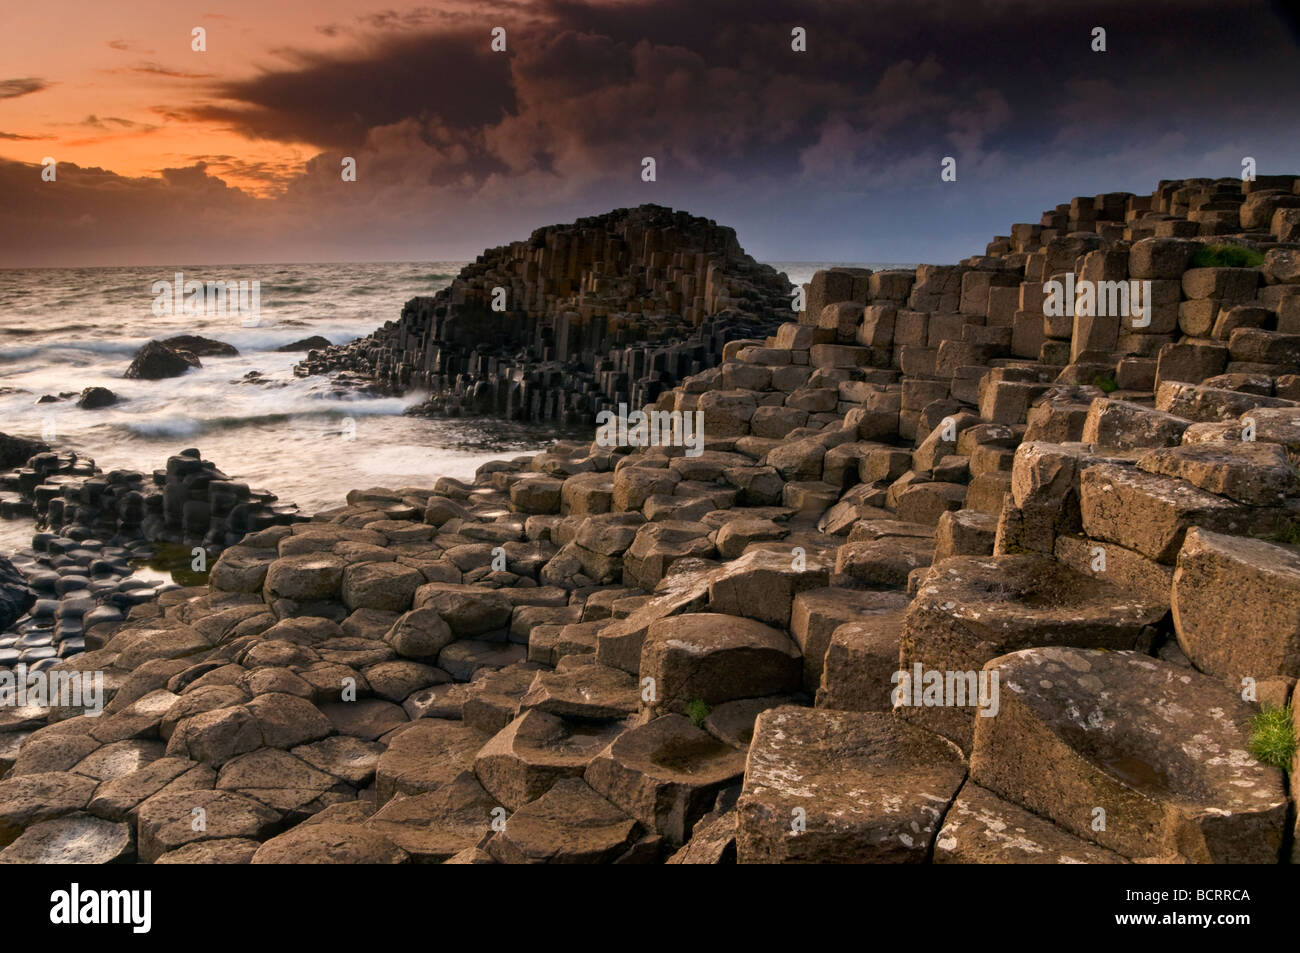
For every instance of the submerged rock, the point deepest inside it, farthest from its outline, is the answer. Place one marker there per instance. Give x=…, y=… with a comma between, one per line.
x=156, y=361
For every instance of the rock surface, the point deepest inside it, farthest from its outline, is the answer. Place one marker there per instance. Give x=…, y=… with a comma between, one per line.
x=931, y=589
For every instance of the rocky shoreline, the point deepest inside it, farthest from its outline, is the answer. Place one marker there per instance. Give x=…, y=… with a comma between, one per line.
x=80, y=577
x=955, y=579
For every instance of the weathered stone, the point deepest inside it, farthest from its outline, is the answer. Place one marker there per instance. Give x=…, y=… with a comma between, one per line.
x=762, y=584
x=467, y=609
x=329, y=843
x=872, y=789
x=1161, y=749
x=429, y=753
x=1246, y=471
x=715, y=658
x=818, y=613
x=33, y=798
x=584, y=689
x=971, y=609
x=380, y=585
x=569, y=824
x=665, y=773
x=522, y=761
x=862, y=660
x=884, y=563
x=1236, y=605
x=1151, y=514
x=982, y=828
x=434, y=827
x=167, y=821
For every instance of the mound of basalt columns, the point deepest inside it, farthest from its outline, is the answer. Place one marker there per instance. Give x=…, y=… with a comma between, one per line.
x=609, y=310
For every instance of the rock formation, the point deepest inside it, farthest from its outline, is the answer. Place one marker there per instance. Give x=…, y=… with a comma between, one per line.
x=955, y=579
x=98, y=527
x=610, y=310
x=156, y=361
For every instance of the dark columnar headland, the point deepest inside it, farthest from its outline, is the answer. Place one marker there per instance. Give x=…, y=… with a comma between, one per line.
x=969, y=570
x=611, y=309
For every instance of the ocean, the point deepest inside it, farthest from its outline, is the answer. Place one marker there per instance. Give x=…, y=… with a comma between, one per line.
x=65, y=329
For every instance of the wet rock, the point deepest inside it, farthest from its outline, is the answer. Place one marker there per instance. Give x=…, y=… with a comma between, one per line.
x=200, y=346
x=315, y=342
x=16, y=597
x=93, y=398
x=156, y=361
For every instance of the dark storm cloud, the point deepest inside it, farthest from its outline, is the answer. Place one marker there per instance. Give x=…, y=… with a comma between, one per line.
x=717, y=80
x=452, y=78
x=832, y=154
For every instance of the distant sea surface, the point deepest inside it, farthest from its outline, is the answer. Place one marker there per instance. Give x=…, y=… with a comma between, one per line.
x=65, y=329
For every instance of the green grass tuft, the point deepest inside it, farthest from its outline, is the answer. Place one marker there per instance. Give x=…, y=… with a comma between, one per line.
x=1226, y=256
x=697, y=711
x=1272, y=737
x=1107, y=384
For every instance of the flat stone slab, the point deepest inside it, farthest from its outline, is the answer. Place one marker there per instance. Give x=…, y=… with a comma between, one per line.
x=464, y=658
x=170, y=821
x=569, y=824
x=716, y=658
x=665, y=773
x=529, y=755
x=1151, y=514
x=436, y=826
x=582, y=688
x=346, y=758
x=1246, y=471
x=329, y=843
x=73, y=839
x=843, y=787
x=429, y=753
x=982, y=828
x=1236, y=605
x=1159, y=748
x=972, y=609
x=44, y=796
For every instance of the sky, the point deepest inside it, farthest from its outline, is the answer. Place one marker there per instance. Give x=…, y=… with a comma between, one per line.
x=167, y=154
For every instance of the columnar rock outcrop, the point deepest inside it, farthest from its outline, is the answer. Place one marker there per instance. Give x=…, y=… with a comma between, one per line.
x=951, y=581
x=613, y=309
